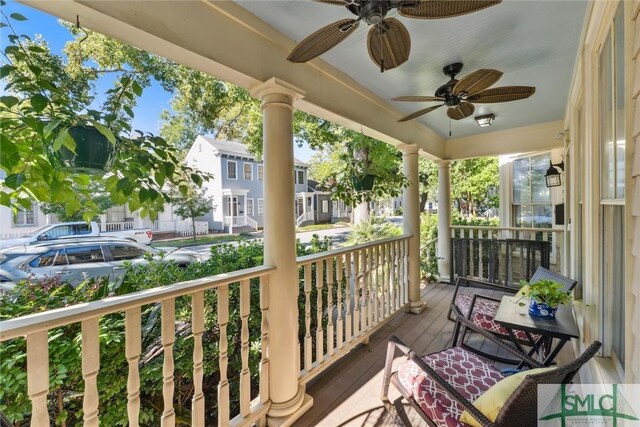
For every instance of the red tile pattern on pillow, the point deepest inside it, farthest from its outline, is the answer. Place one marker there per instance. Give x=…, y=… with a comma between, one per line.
x=466, y=372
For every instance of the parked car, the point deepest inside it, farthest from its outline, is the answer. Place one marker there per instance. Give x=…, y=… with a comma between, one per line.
x=79, y=258
x=67, y=230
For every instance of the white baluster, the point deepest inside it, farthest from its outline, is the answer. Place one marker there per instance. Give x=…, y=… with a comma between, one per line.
x=90, y=368
x=376, y=283
x=245, y=377
x=223, y=386
x=168, y=339
x=308, y=345
x=392, y=277
x=197, y=328
x=356, y=294
x=405, y=268
x=319, y=311
x=38, y=377
x=471, y=263
x=384, y=281
x=364, y=294
x=370, y=286
x=330, y=308
x=132, y=353
x=264, y=340
x=339, y=278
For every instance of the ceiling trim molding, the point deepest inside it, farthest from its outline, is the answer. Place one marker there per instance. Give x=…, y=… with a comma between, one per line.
x=532, y=138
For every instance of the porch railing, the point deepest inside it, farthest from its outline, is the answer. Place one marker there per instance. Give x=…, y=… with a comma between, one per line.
x=347, y=295
x=252, y=223
x=235, y=221
x=307, y=216
x=117, y=226
x=36, y=328
x=182, y=227
x=503, y=254
x=340, y=213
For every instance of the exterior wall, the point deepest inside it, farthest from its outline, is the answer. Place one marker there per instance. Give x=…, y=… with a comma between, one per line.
x=204, y=157
x=320, y=216
x=586, y=237
x=8, y=228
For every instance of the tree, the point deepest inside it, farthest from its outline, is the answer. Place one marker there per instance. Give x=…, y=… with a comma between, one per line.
x=428, y=177
x=99, y=202
x=45, y=98
x=471, y=181
x=190, y=201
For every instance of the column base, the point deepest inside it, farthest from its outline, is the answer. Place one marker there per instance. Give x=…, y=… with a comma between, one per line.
x=417, y=307
x=287, y=420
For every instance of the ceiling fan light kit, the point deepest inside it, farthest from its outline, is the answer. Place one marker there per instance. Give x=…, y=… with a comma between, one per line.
x=388, y=41
x=485, y=120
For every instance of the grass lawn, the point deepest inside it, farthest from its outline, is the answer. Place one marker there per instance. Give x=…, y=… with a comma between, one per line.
x=317, y=227
x=201, y=240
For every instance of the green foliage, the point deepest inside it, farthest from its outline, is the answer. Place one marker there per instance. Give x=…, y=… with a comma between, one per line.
x=376, y=228
x=65, y=397
x=545, y=291
x=44, y=100
x=99, y=198
x=190, y=201
x=473, y=184
x=428, y=177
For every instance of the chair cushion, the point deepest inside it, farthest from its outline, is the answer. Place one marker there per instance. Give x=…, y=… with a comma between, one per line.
x=490, y=403
x=465, y=371
x=483, y=315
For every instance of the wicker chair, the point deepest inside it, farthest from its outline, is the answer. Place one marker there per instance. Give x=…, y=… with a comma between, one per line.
x=441, y=385
x=485, y=308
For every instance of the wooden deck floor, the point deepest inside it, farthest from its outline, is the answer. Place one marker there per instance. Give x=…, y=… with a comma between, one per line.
x=348, y=394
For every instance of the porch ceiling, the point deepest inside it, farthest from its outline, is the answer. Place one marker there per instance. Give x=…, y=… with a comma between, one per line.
x=533, y=43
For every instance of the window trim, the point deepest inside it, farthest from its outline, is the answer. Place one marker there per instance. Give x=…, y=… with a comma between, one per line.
x=247, y=200
x=244, y=171
x=236, y=169
x=325, y=206
x=530, y=202
x=260, y=167
x=297, y=171
x=25, y=212
x=260, y=206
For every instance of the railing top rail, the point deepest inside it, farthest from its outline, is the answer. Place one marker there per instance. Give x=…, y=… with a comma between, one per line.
x=49, y=319
x=322, y=255
x=475, y=227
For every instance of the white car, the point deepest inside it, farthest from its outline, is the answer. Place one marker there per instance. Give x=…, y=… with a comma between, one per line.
x=76, y=259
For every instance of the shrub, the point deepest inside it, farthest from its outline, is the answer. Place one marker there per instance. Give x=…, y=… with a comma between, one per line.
x=376, y=228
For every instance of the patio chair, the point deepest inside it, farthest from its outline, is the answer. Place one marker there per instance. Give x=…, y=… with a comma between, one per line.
x=440, y=386
x=485, y=308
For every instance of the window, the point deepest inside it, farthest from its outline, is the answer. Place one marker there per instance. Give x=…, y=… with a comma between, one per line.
x=124, y=252
x=309, y=201
x=25, y=217
x=260, y=172
x=232, y=172
x=248, y=171
x=299, y=177
x=67, y=230
x=44, y=260
x=250, y=207
x=260, y=206
x=84, y=254
x=325, y=206
x=531, y=197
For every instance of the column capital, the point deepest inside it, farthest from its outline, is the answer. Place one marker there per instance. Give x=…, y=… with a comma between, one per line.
x=408, y=149
x=275, y=86
x=443, y=163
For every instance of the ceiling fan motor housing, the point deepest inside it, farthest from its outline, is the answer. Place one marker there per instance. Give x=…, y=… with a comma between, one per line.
x=446, y=91
x=373, y=12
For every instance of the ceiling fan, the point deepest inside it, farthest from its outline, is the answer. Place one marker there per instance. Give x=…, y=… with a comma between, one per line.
x=388, y=40
x=460, y=95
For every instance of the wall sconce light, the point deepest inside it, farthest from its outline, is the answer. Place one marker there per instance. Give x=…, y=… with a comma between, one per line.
x=553, y=175
x=486, y=120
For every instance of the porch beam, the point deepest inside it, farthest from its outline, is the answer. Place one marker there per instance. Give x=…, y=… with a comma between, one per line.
x=539, y=137
x=411, y=224
x=444, y=220
x=225, y=40
x=288, y=400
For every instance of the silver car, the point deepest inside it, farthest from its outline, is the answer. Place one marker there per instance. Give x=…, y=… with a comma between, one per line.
x=77, y=259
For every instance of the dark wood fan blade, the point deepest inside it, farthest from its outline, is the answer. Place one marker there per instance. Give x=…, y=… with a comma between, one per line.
x=333, y=2
x=389, y=44
x=420, y=112
x=477, y=81
x=502, y=94
x=322, y=40
x=417, y=98
x=465, y=109
x=436, y=9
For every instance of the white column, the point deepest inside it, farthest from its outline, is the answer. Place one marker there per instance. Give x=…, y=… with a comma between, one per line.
x=288, y=400
x=444, y=220
x=411, y=223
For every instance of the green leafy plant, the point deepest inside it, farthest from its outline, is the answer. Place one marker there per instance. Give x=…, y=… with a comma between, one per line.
x=39, y=112
x=545, y=291
x=376, y=228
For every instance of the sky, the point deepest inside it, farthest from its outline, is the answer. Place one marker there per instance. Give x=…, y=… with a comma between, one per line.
x=153, y=100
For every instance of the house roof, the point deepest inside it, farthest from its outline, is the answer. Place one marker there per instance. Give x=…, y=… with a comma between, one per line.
x=231, y=148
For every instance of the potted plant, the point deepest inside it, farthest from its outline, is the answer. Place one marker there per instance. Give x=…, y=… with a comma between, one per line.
x=363, y=182
x=545, y=297
x=94, y=153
